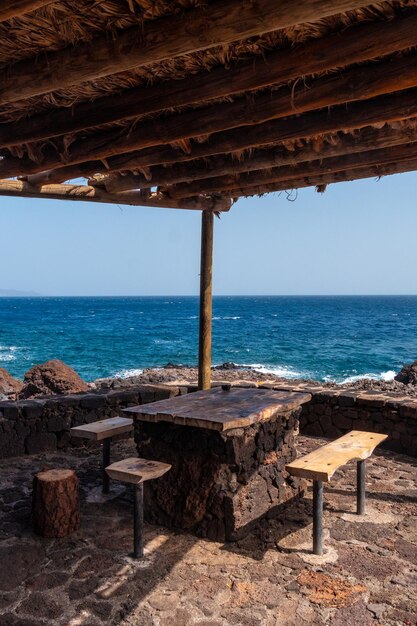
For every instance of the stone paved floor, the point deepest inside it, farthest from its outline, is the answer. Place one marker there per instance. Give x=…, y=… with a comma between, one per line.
x=367, y=577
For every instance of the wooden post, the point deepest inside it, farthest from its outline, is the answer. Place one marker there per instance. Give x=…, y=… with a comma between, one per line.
x=204, y=352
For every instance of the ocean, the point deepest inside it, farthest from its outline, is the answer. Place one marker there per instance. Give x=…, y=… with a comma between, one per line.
x=333, y=338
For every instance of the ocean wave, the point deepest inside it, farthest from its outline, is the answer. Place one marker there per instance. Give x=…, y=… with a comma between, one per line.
x=128, y=373
x=284, y=371
x=226, y=317
x=385, y=376
x=8, y=353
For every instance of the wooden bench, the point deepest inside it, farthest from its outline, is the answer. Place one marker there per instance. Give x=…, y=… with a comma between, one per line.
x=104, y=430
x=136, y=471
x=321, y=464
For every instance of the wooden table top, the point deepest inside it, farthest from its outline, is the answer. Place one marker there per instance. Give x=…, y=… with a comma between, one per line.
x=219, y=409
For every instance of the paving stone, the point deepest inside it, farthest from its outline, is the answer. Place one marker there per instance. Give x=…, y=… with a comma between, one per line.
x=41, y=605
x=185, y=581
x=17, y=563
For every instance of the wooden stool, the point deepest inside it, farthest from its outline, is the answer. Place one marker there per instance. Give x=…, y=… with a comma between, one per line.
x=55, y=504
x=136, y=471
x=104, y=430
x=321, y=464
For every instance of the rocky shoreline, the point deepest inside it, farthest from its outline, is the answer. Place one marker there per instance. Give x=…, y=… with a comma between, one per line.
x=229, y=372
x=56, y=378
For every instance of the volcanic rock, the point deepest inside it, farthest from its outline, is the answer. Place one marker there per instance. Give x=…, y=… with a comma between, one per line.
x=52, y=378
x=9, y=386
x=408, y=374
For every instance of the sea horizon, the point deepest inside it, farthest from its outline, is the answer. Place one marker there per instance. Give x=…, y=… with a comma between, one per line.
x=219, y=295
x=330, y=338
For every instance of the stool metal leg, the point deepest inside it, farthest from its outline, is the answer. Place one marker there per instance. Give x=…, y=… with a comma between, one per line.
x=360, y=488
x=318, y=517
x=106, y=463
x=138, y=521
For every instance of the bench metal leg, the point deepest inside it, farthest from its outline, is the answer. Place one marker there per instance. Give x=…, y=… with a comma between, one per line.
x=318, y=517
x=106, y=462
x=360, y=488
x=138, y=521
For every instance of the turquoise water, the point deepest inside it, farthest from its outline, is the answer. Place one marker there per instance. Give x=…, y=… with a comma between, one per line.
x=325, y=338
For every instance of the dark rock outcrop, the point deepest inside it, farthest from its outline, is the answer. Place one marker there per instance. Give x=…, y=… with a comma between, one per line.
x=51, y=378
x=9, y=386
x=408, y=374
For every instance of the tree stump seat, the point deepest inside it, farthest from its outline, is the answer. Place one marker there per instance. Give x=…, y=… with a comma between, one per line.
x=104, y=430
x=321, y=464
x=55, y=503
x=136, y=471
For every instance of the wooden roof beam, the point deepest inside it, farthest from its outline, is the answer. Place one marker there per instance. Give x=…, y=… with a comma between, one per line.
x=86, y=193
x=207, y=174
x=359, y=173
x=15, y=8
x=355, y=84
x=357, y=115
x=356, y=44
x=222, y=22
x=318, y=167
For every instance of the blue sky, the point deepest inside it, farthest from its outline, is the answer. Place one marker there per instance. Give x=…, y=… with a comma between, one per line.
x=356, y=238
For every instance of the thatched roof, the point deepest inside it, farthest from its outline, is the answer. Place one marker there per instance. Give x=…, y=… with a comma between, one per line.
x=191, y=101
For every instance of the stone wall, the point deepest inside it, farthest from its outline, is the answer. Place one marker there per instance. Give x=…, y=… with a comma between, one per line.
x=221, y=483
x=332, y=413
x=31, y=426
x=42, y=425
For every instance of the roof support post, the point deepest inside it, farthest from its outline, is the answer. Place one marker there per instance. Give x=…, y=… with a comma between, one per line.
x=206, y=299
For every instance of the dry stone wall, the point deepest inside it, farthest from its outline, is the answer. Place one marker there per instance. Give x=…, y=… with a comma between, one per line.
x=332, y=413
x=43, y=425
x=33, y=426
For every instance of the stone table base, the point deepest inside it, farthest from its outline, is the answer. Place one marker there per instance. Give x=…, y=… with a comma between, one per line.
x=221, y=483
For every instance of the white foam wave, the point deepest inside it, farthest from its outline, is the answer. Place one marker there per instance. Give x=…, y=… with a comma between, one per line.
x=284, y=371
x=128, y=373
x=385, y=376
x=7, y=353
x=226, y=317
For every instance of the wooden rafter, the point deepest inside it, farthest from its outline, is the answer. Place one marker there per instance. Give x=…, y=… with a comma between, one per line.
x=356, y=84
x=196, y=172
x=359, y=173
x=224, y=21
x=358, y=43
x=357, y=115
x=16, y=8
x=319, y=167
x=91, y=194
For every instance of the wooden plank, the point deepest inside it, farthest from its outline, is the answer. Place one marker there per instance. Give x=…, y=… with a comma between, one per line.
x=317, y=167
x=356, y=44
x=322, y=463
x=222, y=22
x=103, y=429
x=206, y=300
x=387, y=108
x=363, y=141
x=135, y=471
x=15, y=8
x=84, y=193
x=217, y=409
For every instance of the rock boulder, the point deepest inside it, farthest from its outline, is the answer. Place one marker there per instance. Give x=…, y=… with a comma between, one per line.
x=52, y=378
x=408, y=374
x=9, y=386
